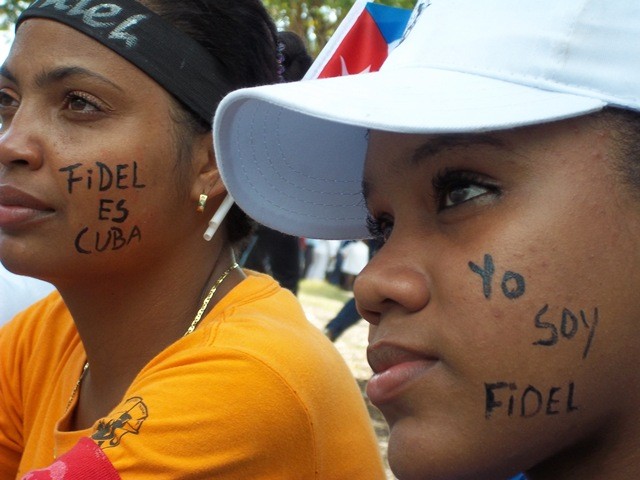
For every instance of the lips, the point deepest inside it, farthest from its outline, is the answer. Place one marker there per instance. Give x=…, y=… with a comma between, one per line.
x=18, y=208
x=395, y=369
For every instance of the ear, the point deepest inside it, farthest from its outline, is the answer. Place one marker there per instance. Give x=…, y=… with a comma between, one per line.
x=207, y=176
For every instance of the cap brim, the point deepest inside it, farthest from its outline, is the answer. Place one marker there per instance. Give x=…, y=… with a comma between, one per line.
x=292, y=155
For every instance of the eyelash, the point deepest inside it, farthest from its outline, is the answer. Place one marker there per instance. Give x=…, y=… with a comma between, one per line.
x=69, y=99
x=379, y=227
x=445, y=181
x=7, y=111
x=90, y=100
x=448, y=180
x=5, y=96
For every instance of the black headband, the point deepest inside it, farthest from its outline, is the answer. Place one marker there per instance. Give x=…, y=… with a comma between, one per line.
x=178, y=63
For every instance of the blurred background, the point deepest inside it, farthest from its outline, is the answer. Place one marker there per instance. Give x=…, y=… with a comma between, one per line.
x=314, y=20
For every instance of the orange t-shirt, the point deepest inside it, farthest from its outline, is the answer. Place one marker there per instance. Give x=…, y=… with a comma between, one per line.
x=255, y=392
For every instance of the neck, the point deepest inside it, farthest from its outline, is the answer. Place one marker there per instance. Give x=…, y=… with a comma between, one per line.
x=124, y=322
x=610, y=453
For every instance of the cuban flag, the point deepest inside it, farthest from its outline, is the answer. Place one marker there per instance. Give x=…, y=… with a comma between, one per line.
x=362, y=41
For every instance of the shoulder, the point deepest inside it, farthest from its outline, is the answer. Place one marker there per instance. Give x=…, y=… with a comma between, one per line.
x=255, y=349
x=49, y=316
x=258, y=302
x=218, y=409
x=242, y=347
x=37, y=337
x=251, y=394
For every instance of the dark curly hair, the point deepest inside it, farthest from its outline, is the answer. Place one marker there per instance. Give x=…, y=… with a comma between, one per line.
x=296, y=61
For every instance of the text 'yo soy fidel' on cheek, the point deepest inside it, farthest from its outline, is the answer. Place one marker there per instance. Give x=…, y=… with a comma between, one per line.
x=527, y=401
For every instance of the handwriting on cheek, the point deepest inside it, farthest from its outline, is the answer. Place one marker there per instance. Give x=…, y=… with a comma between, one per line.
x=513, y=287
x=512, y=283
x=569, y=326
x=509, y=399
x=103, y=178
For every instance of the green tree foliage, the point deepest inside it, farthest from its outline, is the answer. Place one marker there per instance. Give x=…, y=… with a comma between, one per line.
x=9, y=11
x=313, y=20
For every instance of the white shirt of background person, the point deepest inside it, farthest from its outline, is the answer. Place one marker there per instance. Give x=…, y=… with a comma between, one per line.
x=18, y=292
x=355, y=256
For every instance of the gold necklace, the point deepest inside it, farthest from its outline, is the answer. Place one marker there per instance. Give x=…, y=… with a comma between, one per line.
x=205, y=302
x=192, y=327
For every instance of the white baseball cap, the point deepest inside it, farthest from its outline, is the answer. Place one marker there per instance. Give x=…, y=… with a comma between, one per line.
x=292, y=154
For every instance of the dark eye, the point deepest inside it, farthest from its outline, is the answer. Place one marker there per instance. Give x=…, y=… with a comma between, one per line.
x=454, y=188
x=7, y=101
x=82, y=102
x=380, y=228
x=8, y=106
x=461, y=194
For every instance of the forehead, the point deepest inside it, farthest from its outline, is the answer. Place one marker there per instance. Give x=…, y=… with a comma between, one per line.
x=42, y=44
x=391, y=154
x=417, y=148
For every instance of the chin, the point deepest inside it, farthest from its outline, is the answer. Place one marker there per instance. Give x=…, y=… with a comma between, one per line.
x=411, y=453
x=414, y=453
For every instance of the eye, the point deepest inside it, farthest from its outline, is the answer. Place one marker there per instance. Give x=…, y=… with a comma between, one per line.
x=7, y=100
x=462, y=193
x=8, y=106
x=380, y=228
x=453, y=188
x=82, y=102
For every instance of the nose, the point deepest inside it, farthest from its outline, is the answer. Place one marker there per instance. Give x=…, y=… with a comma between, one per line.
x=391, y=280
x=18, y=144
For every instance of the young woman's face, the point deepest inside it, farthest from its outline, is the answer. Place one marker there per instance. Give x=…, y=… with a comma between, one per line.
x=87, y=159
x=504, y=303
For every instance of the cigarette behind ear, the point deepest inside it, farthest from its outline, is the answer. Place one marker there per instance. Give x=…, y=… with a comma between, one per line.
x=218, y=217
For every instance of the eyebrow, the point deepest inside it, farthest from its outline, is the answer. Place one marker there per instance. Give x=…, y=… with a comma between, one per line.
x=58, y=74
x=440, y=143
x=437, y=144
x=6, y=73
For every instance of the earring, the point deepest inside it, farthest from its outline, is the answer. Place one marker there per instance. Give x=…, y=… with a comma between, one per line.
x=201, y=203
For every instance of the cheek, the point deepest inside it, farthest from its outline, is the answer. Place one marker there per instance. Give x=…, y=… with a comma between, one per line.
x=503, y=321
x=103, y=203
x=111, y=183
x=539, y=339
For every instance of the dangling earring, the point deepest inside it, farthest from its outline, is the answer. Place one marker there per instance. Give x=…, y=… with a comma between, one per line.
x=201, y=203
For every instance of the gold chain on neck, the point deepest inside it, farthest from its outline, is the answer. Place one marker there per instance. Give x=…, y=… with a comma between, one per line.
x=206, y=300
x=192, y=327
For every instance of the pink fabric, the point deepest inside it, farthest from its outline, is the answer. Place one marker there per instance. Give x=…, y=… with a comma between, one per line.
x=85, y=460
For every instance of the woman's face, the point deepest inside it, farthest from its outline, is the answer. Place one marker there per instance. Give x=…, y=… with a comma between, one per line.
x=87, y=159
x=504, y=305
